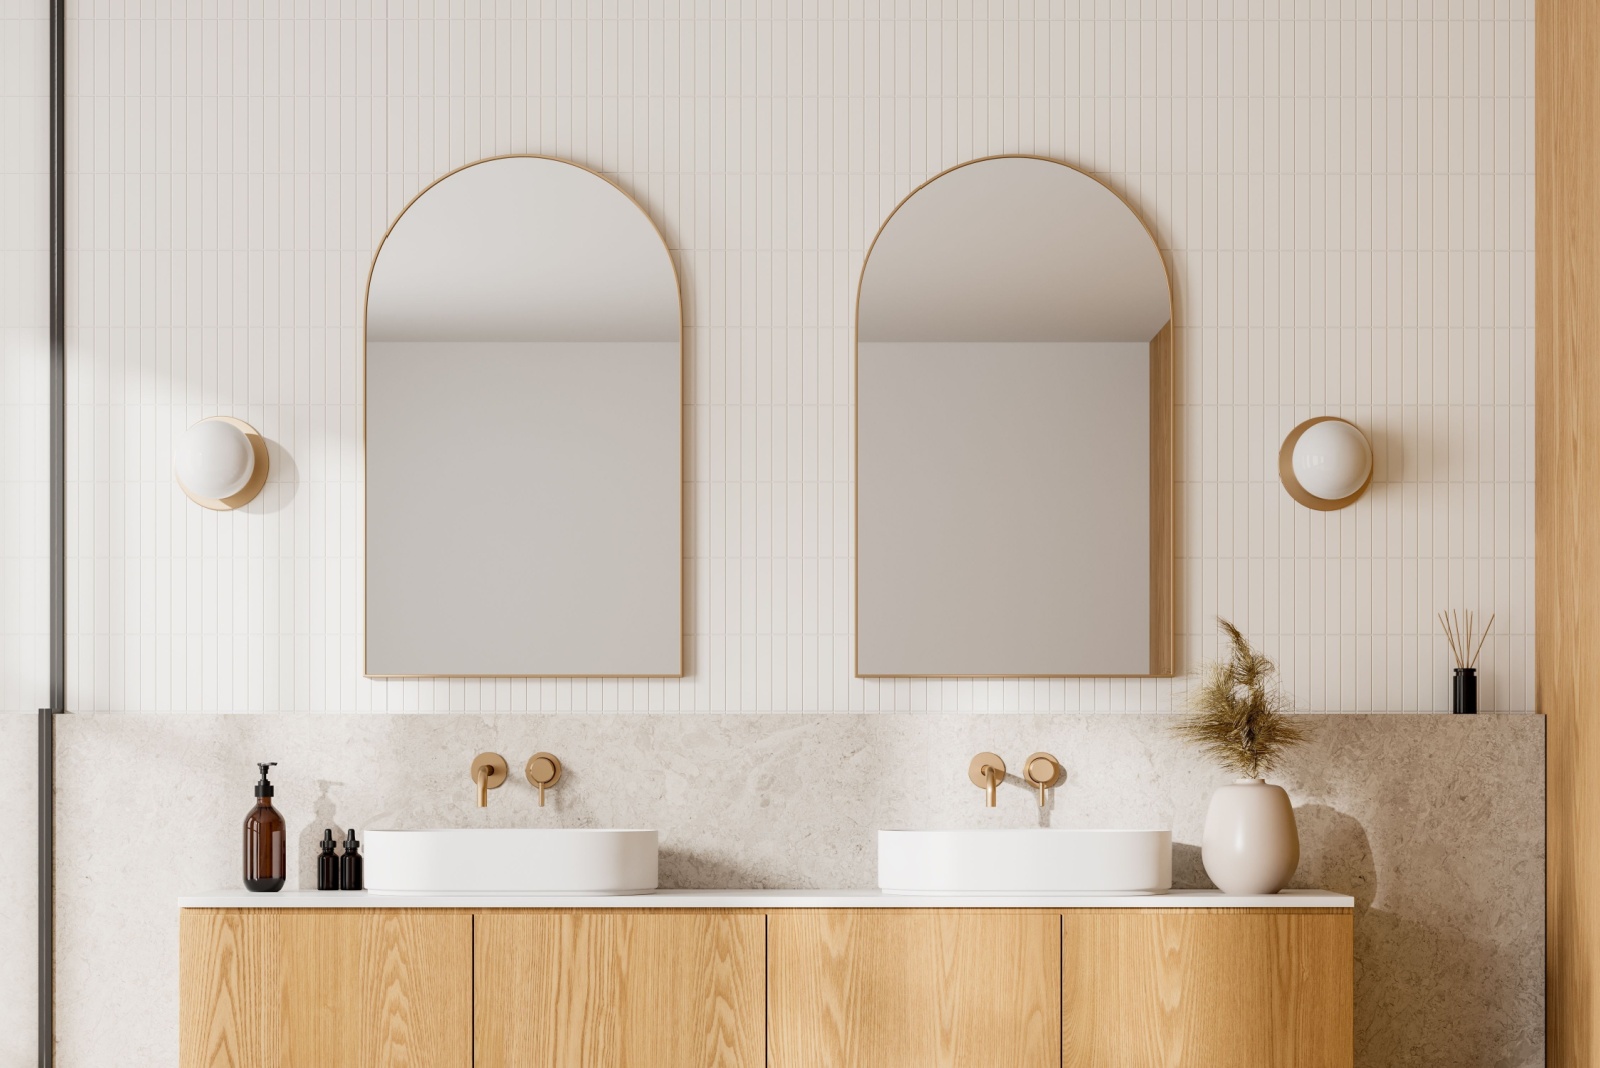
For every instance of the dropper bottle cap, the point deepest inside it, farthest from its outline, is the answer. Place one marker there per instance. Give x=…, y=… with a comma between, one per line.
x=350, y=843
x=327, y=840
x=264, y=788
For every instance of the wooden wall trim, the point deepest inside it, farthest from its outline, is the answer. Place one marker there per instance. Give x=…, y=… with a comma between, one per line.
x=1567, y=511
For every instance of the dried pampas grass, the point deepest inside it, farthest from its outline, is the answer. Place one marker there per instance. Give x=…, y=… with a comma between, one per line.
x=1238, y=715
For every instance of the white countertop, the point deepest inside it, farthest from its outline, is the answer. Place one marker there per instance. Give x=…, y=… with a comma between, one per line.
x=758, y=899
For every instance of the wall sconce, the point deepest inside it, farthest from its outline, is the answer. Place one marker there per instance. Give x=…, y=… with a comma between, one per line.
x=221, y=463
x=1325, y=463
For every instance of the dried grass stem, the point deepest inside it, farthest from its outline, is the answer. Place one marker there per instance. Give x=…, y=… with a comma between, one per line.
x=1238, y=714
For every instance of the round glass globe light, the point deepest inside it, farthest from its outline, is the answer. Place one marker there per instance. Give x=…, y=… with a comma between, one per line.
x=214, y=459
x=1332, y=459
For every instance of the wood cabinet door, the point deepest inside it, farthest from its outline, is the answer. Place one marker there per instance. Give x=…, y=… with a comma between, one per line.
x=667, y=989
x=914, y=988
x=312, y=988
x=1206, y=988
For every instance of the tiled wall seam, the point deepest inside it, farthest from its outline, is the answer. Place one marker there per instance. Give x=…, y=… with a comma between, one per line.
x=1343, y=193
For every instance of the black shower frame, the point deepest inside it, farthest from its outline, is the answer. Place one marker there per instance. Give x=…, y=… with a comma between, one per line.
x=58, y=530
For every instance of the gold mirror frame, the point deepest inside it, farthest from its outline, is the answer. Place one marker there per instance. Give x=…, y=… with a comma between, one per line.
x=361, y=372
x=1163, y=463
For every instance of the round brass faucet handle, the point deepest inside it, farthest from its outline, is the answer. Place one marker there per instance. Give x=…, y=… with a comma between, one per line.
x=1043, y=769
x=544, y=771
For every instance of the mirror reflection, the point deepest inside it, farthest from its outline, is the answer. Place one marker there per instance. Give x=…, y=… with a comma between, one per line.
x=523, y=429
x=1014, y=473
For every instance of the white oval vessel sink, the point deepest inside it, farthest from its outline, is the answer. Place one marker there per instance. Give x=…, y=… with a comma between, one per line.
x=516, y=860
x=1026, y=862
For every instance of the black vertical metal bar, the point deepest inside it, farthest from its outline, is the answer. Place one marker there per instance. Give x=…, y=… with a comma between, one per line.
x=58, y=355
x=58, y=528
x=46, y=982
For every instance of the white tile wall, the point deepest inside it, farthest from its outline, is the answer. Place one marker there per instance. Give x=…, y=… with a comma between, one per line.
x=1343, y=189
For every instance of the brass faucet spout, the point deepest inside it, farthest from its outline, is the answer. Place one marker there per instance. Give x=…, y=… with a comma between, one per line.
x=488, y=772
x=987, y=771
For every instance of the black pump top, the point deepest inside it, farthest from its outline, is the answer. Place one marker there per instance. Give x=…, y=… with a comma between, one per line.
x=327, y=840
x=350, y=843
x=264, y=788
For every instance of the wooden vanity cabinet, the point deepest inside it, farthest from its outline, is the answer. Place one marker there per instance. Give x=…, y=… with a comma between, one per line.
x=1241, y=988
x=913, y=988
x=1156, y=987
x=297, y=988
x=614, y=988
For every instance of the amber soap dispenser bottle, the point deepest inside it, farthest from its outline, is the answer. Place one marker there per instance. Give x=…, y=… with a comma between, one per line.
x=265, y=843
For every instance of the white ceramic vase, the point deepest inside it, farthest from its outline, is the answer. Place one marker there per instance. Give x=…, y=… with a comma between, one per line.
x=1250, y=844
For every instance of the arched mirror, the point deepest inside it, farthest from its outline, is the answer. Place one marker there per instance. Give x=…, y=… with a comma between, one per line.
x=522, y=380
x=1014, y=431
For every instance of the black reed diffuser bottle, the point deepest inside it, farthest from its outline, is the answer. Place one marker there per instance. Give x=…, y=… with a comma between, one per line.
x=1464, y=691
x=1460, y=630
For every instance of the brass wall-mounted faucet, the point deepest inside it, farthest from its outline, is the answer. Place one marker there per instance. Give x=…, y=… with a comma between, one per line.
x=488, y=771
x=1042, y=772
x=987, y=771
x=544, y=771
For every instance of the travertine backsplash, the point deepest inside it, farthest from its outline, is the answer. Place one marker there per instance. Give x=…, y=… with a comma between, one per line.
x=1435, y=824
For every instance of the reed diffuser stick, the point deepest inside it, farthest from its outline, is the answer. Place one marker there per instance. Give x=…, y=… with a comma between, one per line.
x=1459, y=630
x=1481, y=637
x=1450, y=636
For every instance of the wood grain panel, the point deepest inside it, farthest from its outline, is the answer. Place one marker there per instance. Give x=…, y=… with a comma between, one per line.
x=1207, y=988
x=1163, y=507
x=299, y=988
x=1567, y=512
x=913, y=988
x=593, y=989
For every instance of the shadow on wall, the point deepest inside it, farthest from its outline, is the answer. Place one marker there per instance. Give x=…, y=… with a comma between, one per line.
x=324, y=814
x=683, y=869
x=1419, y=984
x=283, y=482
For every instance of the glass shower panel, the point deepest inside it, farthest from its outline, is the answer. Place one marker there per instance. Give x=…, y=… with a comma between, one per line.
x=24, y=499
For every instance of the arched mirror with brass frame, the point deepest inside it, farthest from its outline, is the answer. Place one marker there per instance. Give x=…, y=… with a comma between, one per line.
x=522, y=373
x=1014, y=431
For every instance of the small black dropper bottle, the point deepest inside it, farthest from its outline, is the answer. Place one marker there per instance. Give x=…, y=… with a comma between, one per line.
x=327, y=863
x=350, y=863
